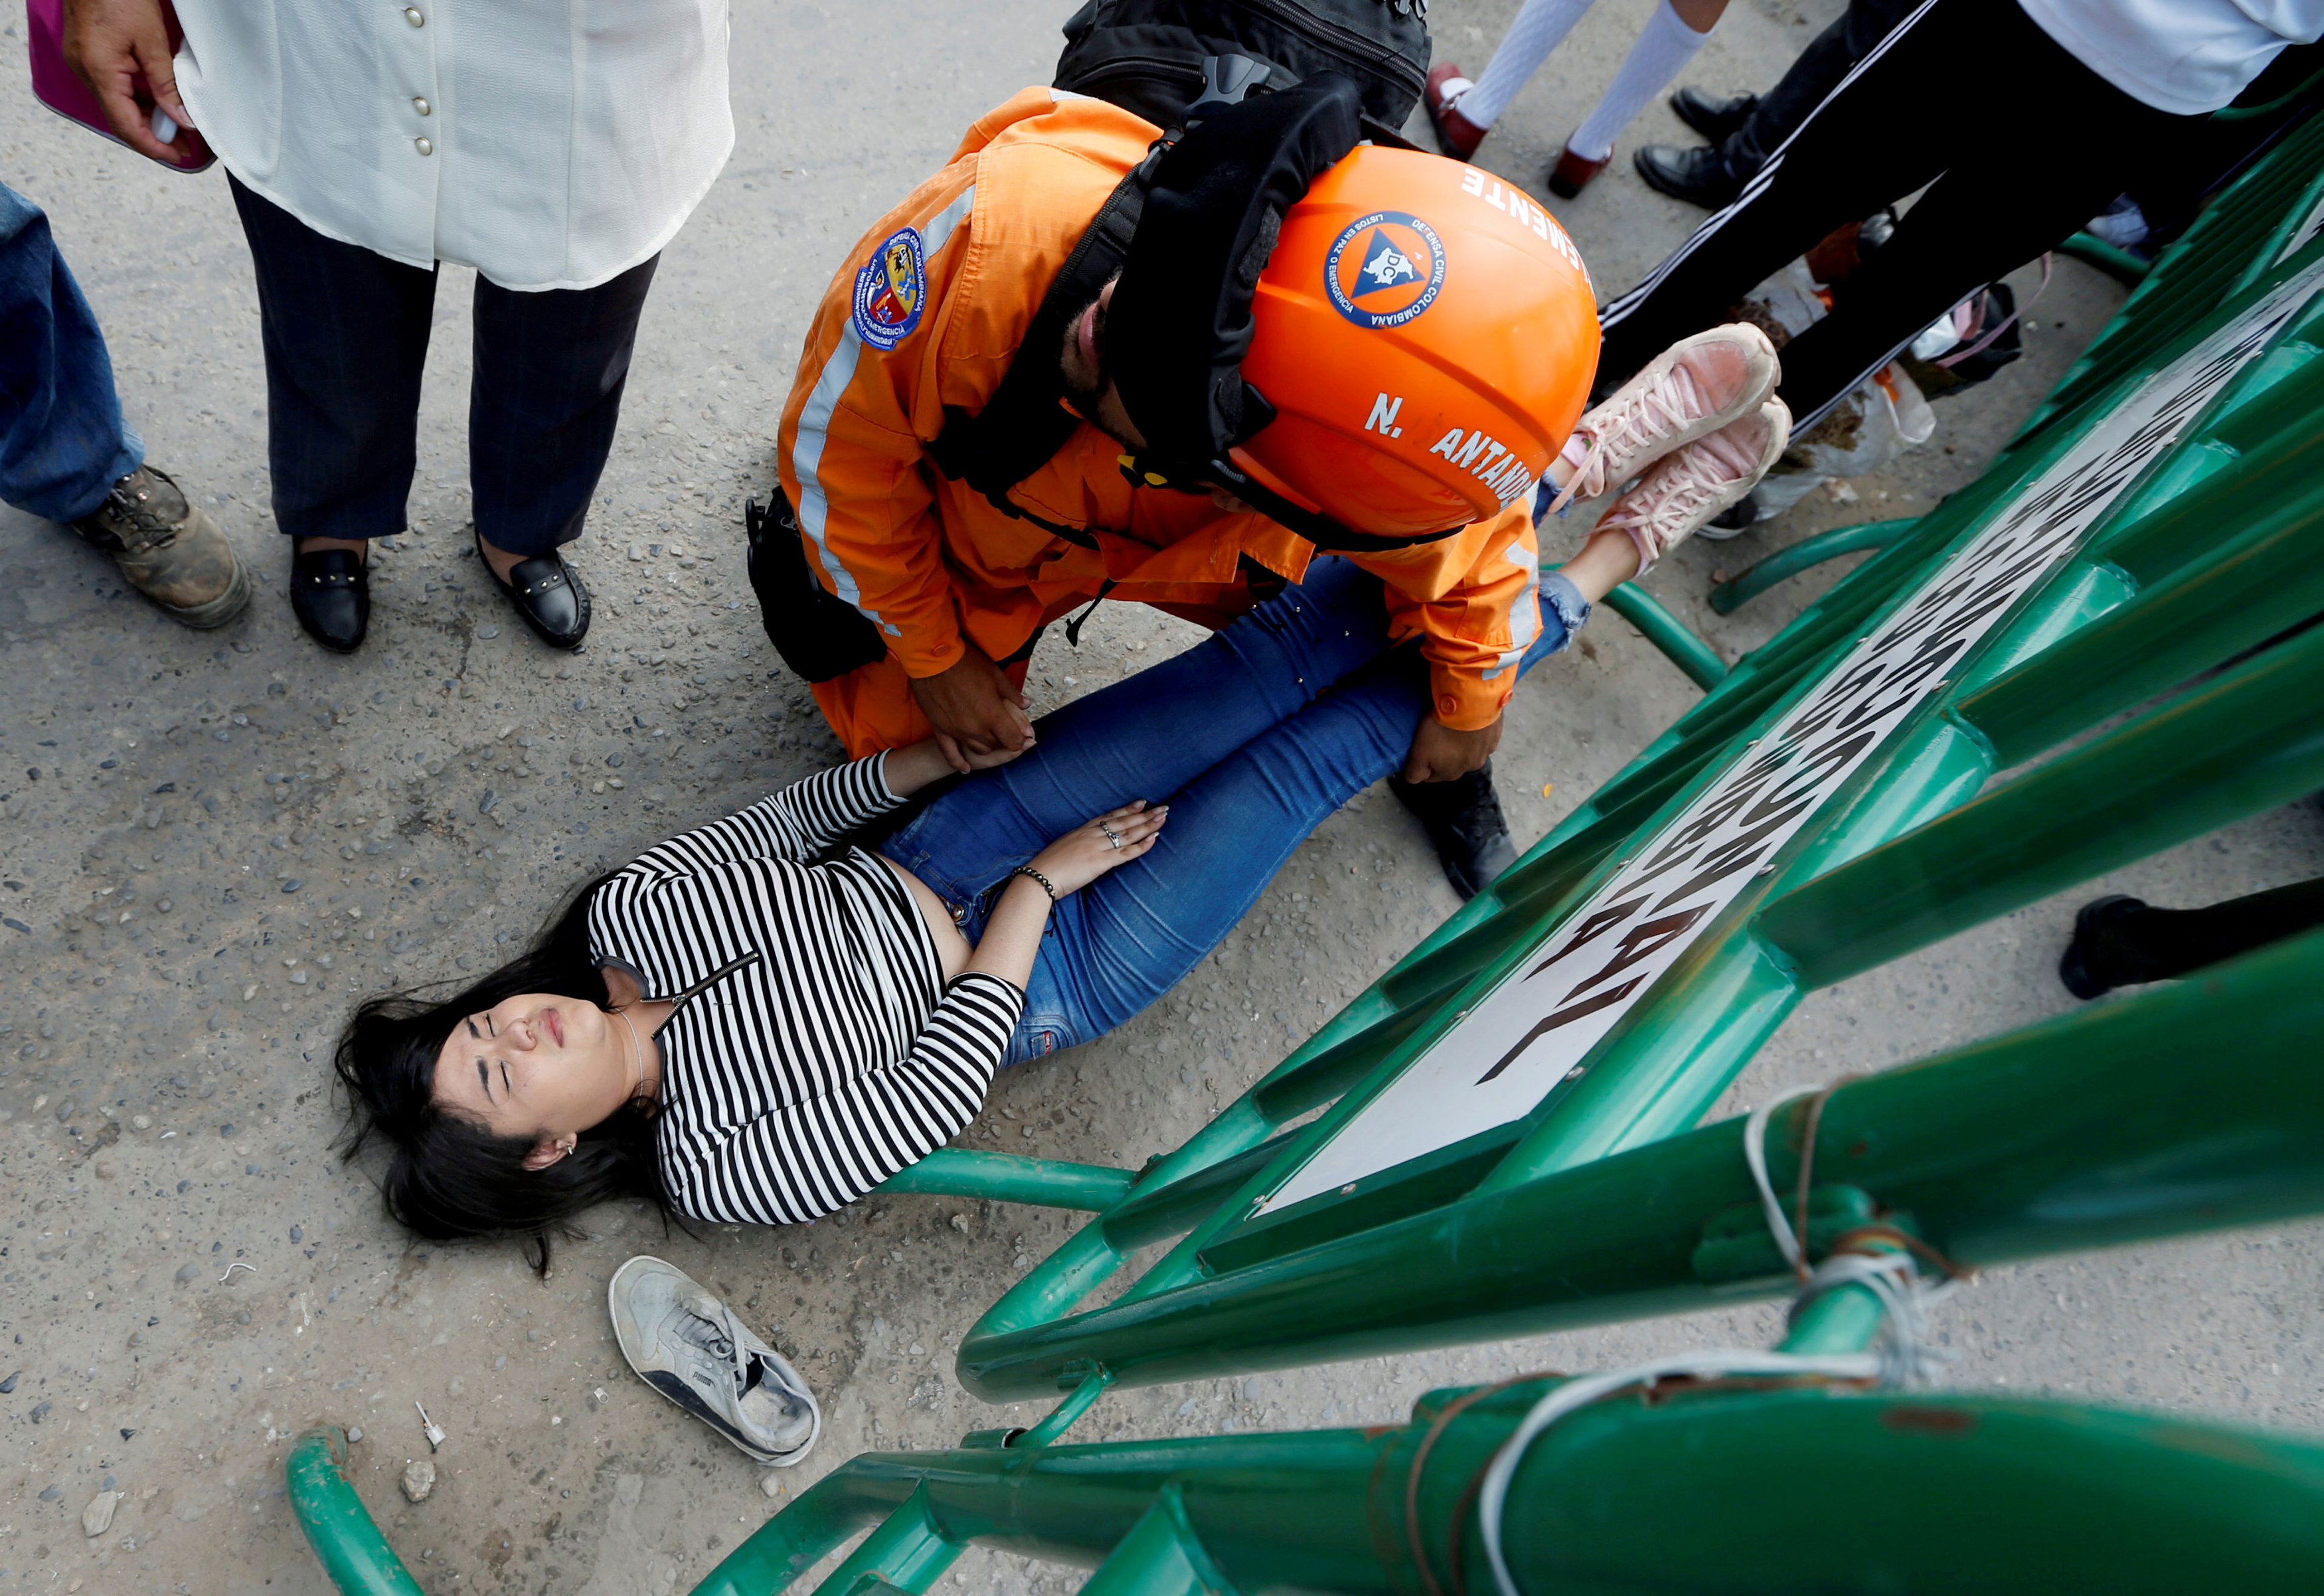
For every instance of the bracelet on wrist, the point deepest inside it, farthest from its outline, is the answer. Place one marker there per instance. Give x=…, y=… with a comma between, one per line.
x=1038, y=879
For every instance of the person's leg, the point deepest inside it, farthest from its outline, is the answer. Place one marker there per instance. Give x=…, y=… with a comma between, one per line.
x=1807, y=82
x=1133, y=934
x=1859, y=151
x=65, y=454
x=63, y=441
x=2016, y=185
x=2138, y=943
x=543, y=403
x=1539, y=27
x=1660, y=51
x=1150, y=734
x=346, y=334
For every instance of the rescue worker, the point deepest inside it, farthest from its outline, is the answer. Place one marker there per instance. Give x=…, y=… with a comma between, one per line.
x=1420, y=344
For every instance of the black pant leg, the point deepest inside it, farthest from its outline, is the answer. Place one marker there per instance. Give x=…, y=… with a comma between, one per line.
x=346, y=334
x=1871, y=142
x=2061, y=144
x=542, y=405
x=2163, y=943
x=1811, y=78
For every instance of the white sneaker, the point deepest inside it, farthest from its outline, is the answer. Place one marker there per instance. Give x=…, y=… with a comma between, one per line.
x=1683, y=490
x=1690, y=391
x=690, y=1347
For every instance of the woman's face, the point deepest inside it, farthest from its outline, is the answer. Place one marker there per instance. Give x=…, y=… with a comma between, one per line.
x=540, y=1066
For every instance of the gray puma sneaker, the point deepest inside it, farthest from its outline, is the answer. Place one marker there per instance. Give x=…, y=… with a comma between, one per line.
x=168, y=548
x=690, y=1347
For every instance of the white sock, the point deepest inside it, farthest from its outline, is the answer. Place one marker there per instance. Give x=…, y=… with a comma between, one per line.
x=1664, y=47
x=1522, y=50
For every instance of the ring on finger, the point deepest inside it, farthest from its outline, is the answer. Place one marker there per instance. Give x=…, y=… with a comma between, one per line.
x=1112, y=837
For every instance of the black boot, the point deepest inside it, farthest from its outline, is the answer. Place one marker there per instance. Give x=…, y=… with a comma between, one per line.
x=2084, y=968
x=1463, y=819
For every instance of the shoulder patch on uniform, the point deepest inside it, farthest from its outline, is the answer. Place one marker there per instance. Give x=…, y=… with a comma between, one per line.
x=891, y=291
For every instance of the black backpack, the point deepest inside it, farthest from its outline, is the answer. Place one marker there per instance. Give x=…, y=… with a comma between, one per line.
x=1146, y=56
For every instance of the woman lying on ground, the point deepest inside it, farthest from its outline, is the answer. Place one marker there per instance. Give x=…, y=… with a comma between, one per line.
x=741, y=1034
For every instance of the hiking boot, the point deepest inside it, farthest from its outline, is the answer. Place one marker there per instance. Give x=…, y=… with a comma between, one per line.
x=1455, y=134
x=168, y=548
x=1697, y=176
x=1463, y=820
x=1717, y=118
x=1683, y=491
x=1691, y=389
x=690, y=1347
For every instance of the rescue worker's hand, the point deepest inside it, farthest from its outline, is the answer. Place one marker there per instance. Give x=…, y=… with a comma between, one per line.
x=1440, y=754
x=110, y=44
x=975, y=710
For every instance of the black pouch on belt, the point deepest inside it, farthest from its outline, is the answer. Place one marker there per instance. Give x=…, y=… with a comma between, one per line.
x=819, y=634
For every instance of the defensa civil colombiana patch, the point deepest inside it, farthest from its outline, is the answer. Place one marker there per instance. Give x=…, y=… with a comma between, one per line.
x=1384, y=269
x=891, y=291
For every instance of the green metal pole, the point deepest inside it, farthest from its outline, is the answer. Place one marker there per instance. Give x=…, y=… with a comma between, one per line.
x=1679, y=642
x=354, y=1554
x=2112, y=260
x=1159, y=1557
x=2184, y=1108
x=1007, y=1177
x=2247, y=740
x=1786, y=563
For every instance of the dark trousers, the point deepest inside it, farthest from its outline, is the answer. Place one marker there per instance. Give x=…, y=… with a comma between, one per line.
x=2039, y=145
x=2163, y=943
x=1815, y=74
x=347, y=334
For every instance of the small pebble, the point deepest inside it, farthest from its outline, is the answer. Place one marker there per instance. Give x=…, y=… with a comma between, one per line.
x=97, y=1517
x=297, y=1234
x=187, y=1272
x=355, y=1433
x=9, y=1384
x=488, y=634
x=419, y=1480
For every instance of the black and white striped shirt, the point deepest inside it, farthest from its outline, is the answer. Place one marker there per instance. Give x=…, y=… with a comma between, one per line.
x=835, y=1058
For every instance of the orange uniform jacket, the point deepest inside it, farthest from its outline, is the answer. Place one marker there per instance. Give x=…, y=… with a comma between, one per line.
x=928, y=313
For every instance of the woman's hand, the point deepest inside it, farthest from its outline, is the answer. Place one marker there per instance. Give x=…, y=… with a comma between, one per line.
x=1087, y=852
x=116, y=46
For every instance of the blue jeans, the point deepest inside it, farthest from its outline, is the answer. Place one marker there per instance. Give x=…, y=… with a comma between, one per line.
x=345, y=331
x=63, y=442
x=1252, y=737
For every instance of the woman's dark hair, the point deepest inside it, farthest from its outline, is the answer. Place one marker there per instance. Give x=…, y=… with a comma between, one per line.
x=448, y=1177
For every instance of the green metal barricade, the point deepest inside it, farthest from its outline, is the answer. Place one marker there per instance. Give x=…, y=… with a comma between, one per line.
x=1507, y=1139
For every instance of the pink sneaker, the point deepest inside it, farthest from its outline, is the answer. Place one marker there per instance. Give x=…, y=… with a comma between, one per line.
x=1692, y=389
x=1683, y=490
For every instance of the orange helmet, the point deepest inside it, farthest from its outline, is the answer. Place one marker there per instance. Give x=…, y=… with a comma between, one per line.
x=1426, y=336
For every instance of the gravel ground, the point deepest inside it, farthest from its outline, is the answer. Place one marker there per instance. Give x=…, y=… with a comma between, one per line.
x=219, y=839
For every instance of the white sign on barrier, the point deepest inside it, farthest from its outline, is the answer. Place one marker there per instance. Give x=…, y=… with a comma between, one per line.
x=1535, y=1027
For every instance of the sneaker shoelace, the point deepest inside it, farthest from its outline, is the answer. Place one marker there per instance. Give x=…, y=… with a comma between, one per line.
x=1673, y=400
x=1681, y=486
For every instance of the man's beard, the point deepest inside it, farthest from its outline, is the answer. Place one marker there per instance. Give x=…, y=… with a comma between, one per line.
x=1086, y=400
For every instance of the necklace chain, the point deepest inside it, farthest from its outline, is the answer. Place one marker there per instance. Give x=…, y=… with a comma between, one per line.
x=637, y=1050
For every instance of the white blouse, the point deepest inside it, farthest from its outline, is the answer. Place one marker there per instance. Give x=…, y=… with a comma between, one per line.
x=548, y=144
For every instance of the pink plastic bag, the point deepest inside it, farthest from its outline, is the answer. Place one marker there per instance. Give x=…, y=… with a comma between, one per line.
x=58, y=89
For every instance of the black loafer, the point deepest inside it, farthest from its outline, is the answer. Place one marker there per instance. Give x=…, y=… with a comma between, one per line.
x=1463, y=819
x=547, y=593
x=330, y=592
x=1716, y=117
x=1696, y=175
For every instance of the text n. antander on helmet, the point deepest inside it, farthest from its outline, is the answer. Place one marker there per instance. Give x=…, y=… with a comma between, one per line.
x=1375, y=354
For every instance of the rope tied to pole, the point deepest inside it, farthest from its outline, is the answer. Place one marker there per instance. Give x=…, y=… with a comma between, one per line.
x=1881, y=1258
